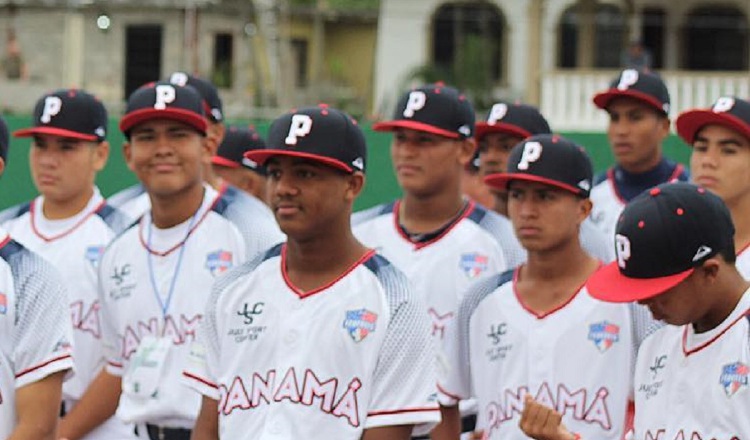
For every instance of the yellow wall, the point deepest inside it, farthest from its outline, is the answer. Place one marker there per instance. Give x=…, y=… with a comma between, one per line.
x=350, y=55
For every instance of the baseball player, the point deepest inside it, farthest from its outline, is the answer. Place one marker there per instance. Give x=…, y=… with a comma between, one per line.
x=35, y=337
x=231, y=165
x=675, y=254
x=535, y=329
x=69, y=225
x=442, y=241
x=638, y=105
x=155, y=277
x=720, y=161
x=321, y=338
x=506, y=125
x=134, y=201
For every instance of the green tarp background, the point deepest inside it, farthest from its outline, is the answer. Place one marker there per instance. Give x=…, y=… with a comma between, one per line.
x=16, y=185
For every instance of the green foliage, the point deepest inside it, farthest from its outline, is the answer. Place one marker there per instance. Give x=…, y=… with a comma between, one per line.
x=343, y=5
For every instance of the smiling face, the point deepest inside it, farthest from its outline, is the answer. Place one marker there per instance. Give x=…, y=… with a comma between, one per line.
x=167, y=156
x=545, y=217
x=636, y=132
x=720, y=162
x=309, y=199
x=426, y=163
x=64, y=169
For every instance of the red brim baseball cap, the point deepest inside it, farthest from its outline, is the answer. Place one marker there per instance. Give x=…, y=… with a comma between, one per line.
x=644, y=86
x=164, y=100
x=223, y=161
x=730, y=112
x=188, y=117
x=262, y=156
x=54, y=131
x=609, y=284
x=413, y=125
x=481, y=129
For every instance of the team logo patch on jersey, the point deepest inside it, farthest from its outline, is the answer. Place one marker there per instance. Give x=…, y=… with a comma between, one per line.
x=219, y=262
x=474, y=264
x=604, y=334
x=733, y=377
x=94, y=254
x=3, y=304
x=360, y=323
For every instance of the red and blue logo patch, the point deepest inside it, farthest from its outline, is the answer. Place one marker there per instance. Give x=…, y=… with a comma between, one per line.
x=219, y=262
x=94, y=254
x=360, y=323
x=3, y=304
x=733, y=377
x=474, y=264
x=604, y=334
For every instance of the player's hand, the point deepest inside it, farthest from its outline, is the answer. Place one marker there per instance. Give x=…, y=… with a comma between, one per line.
x=542, y=423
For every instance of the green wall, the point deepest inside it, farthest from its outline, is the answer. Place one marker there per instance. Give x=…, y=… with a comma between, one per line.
x=16, y=185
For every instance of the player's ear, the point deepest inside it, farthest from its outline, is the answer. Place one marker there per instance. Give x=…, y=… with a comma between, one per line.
x=128, y=154
x=584, y=209
x=467, y=149
x=2, y=166
x=101, y=154
x=709, y=270
x=355, y=182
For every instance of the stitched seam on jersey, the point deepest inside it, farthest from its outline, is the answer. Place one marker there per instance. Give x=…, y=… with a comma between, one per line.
x=698, y=348
x=468, y=209
x=42, y=365
x=200, y=379
x=302, y=294
x=32, y=211
x=401, y=411
x=448, y=393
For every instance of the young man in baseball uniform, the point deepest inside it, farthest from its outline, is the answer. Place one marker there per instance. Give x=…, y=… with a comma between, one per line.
x=155, y=277
x=321, y=338
x=535, y=329
x=231, y=165
x=442, y=241
x=638, y=105
x=506, y=125
x=720, y=161
x=675, y=254
x=35, y=337
x=70, y=224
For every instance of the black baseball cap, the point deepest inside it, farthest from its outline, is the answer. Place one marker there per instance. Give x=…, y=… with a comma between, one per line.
x=548, y=159
x=728, y=111
x=4, y=139
x=434, y=108
x=642, y=85
x=211, y=100
x=166, y=101
x=320, y=133
x=238, y=141
x=662, y=235
x=516, y=119
x=69, y=113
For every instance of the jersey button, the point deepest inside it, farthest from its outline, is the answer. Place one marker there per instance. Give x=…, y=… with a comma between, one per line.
x=291, y=337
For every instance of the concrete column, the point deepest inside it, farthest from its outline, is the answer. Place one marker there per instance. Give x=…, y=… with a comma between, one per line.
x=586, y=33
x=73, y=50
x=534, y=65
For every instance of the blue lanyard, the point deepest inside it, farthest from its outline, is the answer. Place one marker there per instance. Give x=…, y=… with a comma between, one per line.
x=165, y=305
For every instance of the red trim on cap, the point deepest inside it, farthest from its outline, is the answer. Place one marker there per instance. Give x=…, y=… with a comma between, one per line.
x=176, y=114
x=55, y=131
x=414, y=125
x=223, y=161
x=603, y=99
x=689, y=123
x=482, y=129
x=609, y=284
x=500, y=181
x=261, y=156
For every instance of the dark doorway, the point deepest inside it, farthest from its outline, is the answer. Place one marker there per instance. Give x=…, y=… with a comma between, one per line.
x=143, y=45
x=716, y=39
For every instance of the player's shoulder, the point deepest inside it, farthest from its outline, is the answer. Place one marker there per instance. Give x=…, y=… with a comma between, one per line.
x=126, y=238
x=383, y=209
x=482, y=289
x=489, y=221
x=14, y=212
x=114, y=218
x=601, y=178
x=680, y=172
x=121, y=197
x=237, y=206
x=29, y=269
x=241, y=272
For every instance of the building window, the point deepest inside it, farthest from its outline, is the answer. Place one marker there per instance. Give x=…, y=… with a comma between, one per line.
x=716, y=38
x=299, y=57
x=609, y=34
x=467, y=43
x=223, y=62
x=652, y=31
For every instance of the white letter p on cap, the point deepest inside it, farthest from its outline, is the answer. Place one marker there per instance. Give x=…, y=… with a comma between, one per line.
x=164, y=95
x=52, y=106
x=300, y=127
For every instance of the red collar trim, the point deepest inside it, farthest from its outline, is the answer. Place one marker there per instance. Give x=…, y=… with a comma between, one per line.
x=305, y=294
x=48, y=239
x=687, y=352
x=467, y=210
x=516, y=275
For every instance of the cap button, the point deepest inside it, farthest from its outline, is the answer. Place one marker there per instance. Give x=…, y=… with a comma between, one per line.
x=654, y=191
x=680, y=211
x=641, y=224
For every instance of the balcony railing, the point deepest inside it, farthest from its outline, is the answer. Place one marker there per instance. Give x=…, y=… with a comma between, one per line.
x=567, y=96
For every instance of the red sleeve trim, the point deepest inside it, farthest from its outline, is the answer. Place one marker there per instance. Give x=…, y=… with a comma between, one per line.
x=451, y=395
x=200, y=379
x=36, y=367
x=115, y=364
x=402, y=411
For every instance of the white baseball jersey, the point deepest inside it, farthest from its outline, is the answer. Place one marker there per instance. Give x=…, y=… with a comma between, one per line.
x=132, y=201
x=154, y=284
x=74, y=246
x=324, y=364
x=577, y=359
x=35, y=332
x=608, y=203
x=695, y=385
